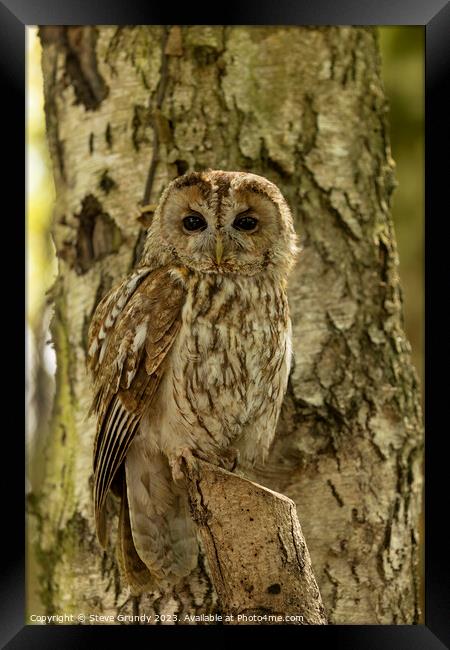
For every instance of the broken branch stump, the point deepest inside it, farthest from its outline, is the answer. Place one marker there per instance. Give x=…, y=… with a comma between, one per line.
x=257, y=555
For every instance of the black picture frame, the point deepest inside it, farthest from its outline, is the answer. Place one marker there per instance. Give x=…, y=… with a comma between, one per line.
x=434, y=15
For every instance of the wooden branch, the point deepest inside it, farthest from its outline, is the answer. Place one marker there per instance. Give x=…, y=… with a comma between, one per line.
x=257, y=556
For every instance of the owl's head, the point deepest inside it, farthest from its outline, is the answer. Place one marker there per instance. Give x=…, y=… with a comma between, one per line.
x=226, y=222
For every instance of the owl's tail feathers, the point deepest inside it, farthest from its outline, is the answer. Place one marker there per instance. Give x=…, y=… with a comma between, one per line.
x=133, y=569
x=162, y=529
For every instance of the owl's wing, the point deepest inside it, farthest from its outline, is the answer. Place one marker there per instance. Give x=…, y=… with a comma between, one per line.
x=133, y=329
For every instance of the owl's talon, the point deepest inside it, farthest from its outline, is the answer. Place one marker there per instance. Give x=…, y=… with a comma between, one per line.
x=227, y=459
x=186, y=459
x=231, y=459
x=178, y=464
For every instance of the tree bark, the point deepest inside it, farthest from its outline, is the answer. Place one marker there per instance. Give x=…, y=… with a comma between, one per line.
x=128, y=109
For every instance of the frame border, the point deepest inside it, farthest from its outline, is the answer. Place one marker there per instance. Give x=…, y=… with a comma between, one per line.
x=434, y=15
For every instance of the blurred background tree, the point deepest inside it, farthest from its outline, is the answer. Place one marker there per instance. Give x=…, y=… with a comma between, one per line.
x=402, y=50
x=41, y=260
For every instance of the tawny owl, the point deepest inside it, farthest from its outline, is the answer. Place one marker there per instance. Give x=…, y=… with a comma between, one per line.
x=191, y=351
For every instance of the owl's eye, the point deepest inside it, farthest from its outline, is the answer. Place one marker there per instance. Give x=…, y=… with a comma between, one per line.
x=194, y=222
x=246, y=223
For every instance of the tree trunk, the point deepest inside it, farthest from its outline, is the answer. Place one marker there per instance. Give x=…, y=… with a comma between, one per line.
x=130, y=108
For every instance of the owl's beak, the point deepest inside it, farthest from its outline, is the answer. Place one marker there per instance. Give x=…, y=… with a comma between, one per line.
x=219, y=249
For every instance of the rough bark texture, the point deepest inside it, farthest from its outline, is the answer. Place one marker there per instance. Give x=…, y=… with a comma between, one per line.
x=304, y=107
x=256, y=553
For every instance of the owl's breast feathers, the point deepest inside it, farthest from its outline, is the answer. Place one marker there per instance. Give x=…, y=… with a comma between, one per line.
x=231, y=359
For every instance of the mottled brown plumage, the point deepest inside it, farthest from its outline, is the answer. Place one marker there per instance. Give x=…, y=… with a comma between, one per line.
x=190, y=352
